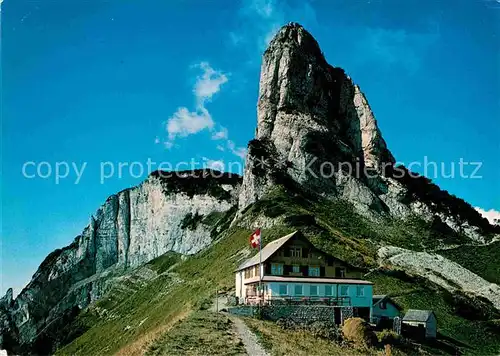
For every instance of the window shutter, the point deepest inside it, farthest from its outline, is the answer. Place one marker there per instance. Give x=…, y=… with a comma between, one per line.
x=304, y=270
x=322, y=271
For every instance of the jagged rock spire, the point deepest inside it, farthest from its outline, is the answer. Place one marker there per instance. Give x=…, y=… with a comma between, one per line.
x=309, y=111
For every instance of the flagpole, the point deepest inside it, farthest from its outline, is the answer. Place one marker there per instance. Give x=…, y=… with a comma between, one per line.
x=260, y=267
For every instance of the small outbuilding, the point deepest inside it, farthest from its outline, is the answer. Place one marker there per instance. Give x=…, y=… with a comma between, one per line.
x=384, y=310
x=420, y=324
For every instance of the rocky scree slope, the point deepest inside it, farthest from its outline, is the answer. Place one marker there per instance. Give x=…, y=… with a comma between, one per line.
x=167, y=212
x=316, y=131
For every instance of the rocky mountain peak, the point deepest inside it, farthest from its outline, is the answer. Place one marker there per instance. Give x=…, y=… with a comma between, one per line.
x=294, y=36
x=317, y=131
x=7, y=299
x=310, y=112
x=296, y=79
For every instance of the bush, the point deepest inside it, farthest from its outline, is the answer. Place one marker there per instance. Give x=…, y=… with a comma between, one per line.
x=389, y=337
x=325, y=330
x=285, y=323
x=358, y=332
x=321, y=329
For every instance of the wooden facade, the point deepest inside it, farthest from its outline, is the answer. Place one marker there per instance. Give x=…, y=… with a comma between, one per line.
x=299, y=258
x=294, y=271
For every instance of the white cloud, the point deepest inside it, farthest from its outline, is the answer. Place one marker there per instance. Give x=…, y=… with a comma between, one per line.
x=168, y=145
x=214, y=164
x=184, y=123
x=238, y=151
x=209, y=82
x=264, y=8
x=221, y=134
x=491, y=214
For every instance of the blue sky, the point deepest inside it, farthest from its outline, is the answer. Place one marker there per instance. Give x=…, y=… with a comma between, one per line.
x=124, y=81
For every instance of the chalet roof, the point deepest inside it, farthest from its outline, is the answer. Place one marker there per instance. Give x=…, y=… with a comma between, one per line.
x=417, y=315
x=267, y=251
x=377, y=298
x=318, y=280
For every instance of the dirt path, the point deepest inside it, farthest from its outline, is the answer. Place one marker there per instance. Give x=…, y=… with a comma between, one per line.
x=248, y=338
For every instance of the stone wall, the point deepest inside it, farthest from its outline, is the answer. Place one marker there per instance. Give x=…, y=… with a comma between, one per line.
x=244, y=310
x=299, y=313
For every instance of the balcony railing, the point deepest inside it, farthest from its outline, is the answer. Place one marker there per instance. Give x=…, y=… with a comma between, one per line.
x=298, y=300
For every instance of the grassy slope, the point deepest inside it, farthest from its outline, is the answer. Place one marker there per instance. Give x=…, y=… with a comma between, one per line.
x=478, y=259
x=472, y=337
x=133, y=321
x=154, y=308
x=281, y=342
x=202, y=333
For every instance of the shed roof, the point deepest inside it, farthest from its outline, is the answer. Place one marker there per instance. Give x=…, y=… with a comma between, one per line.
x=417, y=315
x=377, y=298
x=267, y=251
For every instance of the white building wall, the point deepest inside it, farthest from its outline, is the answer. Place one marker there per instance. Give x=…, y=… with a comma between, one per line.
x=238, y=284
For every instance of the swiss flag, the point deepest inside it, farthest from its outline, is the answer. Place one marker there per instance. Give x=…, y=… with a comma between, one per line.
x=255, y=239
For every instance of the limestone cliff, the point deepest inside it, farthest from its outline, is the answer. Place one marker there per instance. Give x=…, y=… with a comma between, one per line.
x=164, y=213
x=316, y=130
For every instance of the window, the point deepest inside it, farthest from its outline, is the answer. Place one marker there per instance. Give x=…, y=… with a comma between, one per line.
x=340, y=272
x=298, y=289
x=383, y=304
x=328, y=290
x=276, y=269
x=283, y=289
x=313, y=290
x=313, y=271
x=256, y=271
x=295, y=252
x=360, y=291
x=344, y=290
x=296, y=269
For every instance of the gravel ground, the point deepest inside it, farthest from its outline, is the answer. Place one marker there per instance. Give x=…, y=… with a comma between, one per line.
x=248, y=338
